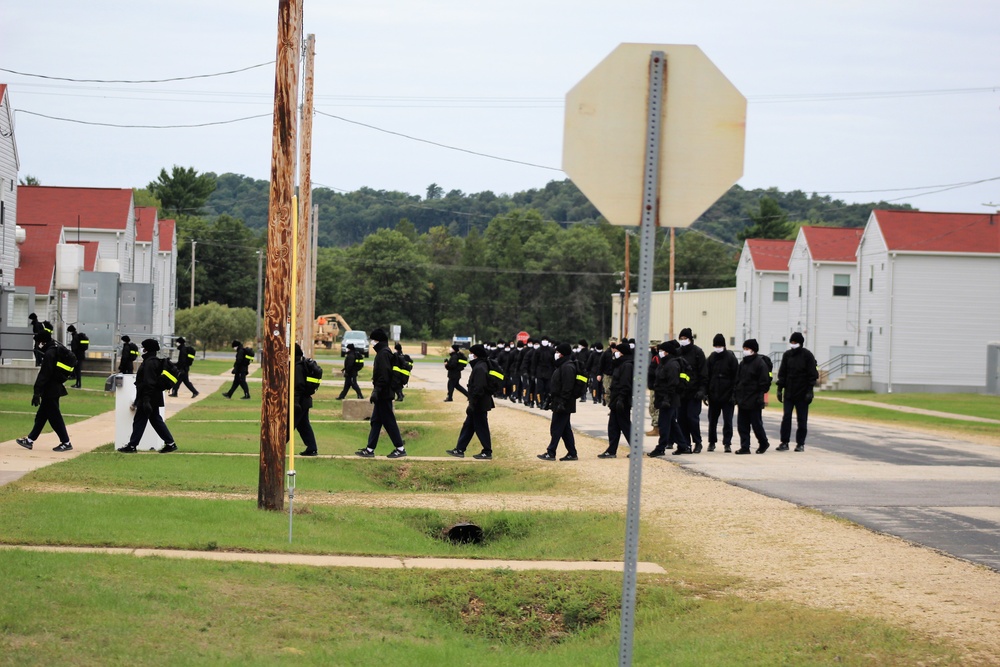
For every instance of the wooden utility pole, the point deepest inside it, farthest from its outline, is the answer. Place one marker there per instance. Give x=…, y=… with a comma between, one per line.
x=304, y=321
x=314, y=241
x=275, y=345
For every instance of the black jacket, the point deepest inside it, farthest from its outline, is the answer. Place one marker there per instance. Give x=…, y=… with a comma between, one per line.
x=562, y=387
x=243, y=358
x=620, y=395
x=382, y=373
x=455, y=365
x=798, y=373
x=147, y=381
x=752, y=381
x=78, y=349
x=721, y=368
x=351, y=363
x=302, y=397
x=480, y=399
x=698, y=386
x=582, y=361
x=46, y=384
x=527, y=367
x=606, y=365
x=130, y=352
x=545, y=360
x=185, y=356
x=667, y=383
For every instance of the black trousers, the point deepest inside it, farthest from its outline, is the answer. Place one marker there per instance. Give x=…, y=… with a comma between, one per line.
x=454, y=383
x=78, y=371
x=182, y=379
x=48, y=411
x=689, y=419
x=725, y=410
x=527, y=388
x=542, y=388
x=801, y=407
x=619, y=424
x=351, y=382
x=670, y=431
x=304, y=427
x=477, y=423
x=153, y=418
x=239, y=380
x=747, y=420
x=561, y=429
x=384, y=417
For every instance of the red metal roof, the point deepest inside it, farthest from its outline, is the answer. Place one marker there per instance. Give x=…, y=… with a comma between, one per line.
x=145, y=218
x=93, y=208
x=38, y=257
x=770, y=254
x=833, y=244
x=918, y=231
x=167, y=235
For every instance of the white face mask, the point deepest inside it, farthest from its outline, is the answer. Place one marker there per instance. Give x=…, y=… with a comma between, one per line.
x=662, y=353
x=631, y=346
x=720, y=350
x=472, y=357
x=747, y=353
x=618, y=355
x=545, y=343
x=537, y=346
x=794, y=346
x=558, y=356
x=684, y=342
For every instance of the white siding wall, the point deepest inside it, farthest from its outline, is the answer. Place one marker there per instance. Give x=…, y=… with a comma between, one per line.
x=834, y=318
x=143, y=266
x=758, y=315
x=8, y=194
x=945, y=310
x=873, y=303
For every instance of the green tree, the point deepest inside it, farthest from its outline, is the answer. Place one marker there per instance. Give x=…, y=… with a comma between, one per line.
x=699, y=261
x=183, y=191
x=769, y=221
x=143, y=197
x=213, y=326
x=29, y=180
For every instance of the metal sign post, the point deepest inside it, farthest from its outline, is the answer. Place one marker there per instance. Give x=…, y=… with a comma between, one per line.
x=651, y=190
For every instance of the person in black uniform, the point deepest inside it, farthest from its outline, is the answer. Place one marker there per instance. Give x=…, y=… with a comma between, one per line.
x=408, y=359
x=455, y=364
x=350, y=372
x=381, y=397
x=49, y=388
x=796, y=377
x=303, y=403
x=79, y=348
x=36, y=328
x=241, y=366
x=581, y=357
x=562, y=396
x=667, y=398
x=514, y=373
x=527, y=370
x=619, y=400
x=130, y=352
x=689, y=414
x=753, y=379
x=477, y=414
x=544, y=367
x=185, y=357
x=148, y=401
x=722, y=367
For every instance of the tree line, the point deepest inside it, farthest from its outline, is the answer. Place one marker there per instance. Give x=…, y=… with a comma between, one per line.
x=482, y=264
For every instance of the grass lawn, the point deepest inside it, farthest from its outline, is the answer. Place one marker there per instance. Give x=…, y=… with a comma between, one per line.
x=873, y=412
x=17, y=414
x=973, y=405
x=93, y=609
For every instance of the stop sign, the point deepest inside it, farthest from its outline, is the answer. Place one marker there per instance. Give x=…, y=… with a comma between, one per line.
x=522, y=336
x=703, y=123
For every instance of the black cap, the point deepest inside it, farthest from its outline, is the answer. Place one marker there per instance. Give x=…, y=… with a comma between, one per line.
x=126, y=339
x=180, y=340
x=151, y=345
x=670, y=346
x=686, y=333
x=719, y=340
x=399, y=348
x=380, y=335
x=564, y=349
x=582, y=343
x=298, y=351
x=479, y=350
x=32, y=316
x=751, y=344
x=236, y=343
x=797, y=338
x=71, y=329
x=350, y=346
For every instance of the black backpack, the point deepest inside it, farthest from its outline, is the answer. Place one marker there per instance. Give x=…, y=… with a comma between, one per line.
x=494, y=376
x=65, y=363
x=687, y=385
x=770, y=371
x=83, y=341
x=314, y=373
x=400, y=371
x=580, y=385
x=167, y=379
x=188, y=352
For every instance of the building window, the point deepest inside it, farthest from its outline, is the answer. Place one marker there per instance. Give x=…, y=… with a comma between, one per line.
x=781, y=291
x=871, y=279
x=842, y=284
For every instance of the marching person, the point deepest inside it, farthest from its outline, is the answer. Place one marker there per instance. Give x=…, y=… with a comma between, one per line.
x=526, y=369
x=477, y=414
x=752, y=381
x=594, y=372
x=148, y=401
x=796, y=377
x=408, y=359
x=722, y=367
x=185, y=357
x=666, y=396
x=562, y=396
x=544, y=367
x=78, y=344
x=350, y=372
x=455, y=364
x=130, y=352
x=36, y=328
x=303, y=402
x=689, y=414
x=241, y=366
x=381, y=397
x=619, y=401
x=49, y=388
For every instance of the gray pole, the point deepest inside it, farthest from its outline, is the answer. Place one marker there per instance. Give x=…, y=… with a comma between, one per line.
x=194, y=245
x=650, y=207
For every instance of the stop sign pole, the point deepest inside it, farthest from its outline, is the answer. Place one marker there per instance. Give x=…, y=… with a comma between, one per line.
x=647, y=235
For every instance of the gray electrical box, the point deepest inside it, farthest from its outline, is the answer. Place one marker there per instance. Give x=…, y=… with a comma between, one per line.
x=993, y=368
x=16, y=335
x=98, y=308
x=136, y=315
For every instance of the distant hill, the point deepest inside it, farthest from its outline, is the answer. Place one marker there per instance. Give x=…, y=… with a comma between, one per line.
x=346, y=218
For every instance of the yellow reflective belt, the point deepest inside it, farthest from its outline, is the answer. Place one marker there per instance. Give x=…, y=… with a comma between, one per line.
x=497, y=374
x=68, y=369
x=685, y=376
x=400, y=370
x=248, y=357
x=581, y=378
x=463, y=361
x=190, y=356
x=309, y=379
x=169, y=376
x=135, y=353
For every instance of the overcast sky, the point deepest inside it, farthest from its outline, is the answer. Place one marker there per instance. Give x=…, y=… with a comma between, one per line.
x=845, y=97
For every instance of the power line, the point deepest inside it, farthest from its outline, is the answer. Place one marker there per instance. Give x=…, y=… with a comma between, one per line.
x=142, y=127
x=175, y=78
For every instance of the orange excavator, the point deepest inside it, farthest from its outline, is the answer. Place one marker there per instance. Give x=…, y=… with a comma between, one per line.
x=327, y=329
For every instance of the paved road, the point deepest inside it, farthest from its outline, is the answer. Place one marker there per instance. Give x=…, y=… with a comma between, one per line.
x=937, y=492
